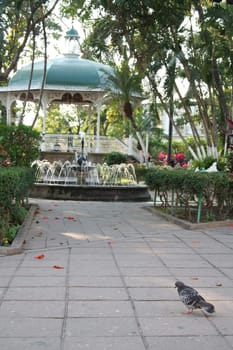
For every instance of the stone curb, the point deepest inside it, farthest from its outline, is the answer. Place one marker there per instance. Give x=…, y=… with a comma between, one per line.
x=17, y=245
x=186, y=224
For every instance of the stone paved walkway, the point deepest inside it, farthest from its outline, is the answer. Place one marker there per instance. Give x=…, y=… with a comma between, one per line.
x=105, y=281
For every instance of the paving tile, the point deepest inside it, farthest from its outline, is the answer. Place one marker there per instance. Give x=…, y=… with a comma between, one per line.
x=146, y=271
x=89, y=297
x=224, y=325
x=153, y=293
x=101, y=327
x=93, y=270
x=104, y=343
x=159, y=308
x=35, y=293
x=101, y=308
x=187, y=342
x=196, y=271
x=30, y=327
x=179, y=326
x=39, y=271
x=100, y=293
x=220, y=260
x=30, y=308
x=95, y=281
x=229, y=339
x=4, y=281
x=49, y=343
x=38, y=281
x=198, y=281
x=149, y=281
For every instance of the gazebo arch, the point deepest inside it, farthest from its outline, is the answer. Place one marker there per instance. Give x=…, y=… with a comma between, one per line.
x=69, y=79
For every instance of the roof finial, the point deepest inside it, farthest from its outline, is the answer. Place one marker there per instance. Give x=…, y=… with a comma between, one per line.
x=72, y=42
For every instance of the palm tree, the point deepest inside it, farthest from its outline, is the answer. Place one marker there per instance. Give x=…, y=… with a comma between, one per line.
x=124, y=85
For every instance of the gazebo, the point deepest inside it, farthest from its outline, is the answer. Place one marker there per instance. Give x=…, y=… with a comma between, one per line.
x=67, y=79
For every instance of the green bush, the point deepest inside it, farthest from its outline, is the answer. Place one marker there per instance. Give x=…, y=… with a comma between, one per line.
x=178, y=188
x=15, y=184
x=141, y=171
x=203, y=163
x=115, y=158
x=21, y=142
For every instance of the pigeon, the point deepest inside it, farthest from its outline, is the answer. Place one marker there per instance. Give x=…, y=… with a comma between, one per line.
x=192, y=299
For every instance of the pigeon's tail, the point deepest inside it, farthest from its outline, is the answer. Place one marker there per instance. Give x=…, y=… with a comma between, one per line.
x=206, y=306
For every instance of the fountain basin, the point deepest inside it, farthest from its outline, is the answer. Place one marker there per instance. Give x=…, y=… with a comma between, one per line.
x=124, y=193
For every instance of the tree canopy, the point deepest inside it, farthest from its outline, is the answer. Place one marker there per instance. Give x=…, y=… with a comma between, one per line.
x=181, y=50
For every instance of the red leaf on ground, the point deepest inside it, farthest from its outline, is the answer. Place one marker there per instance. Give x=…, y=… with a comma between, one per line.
x=195, y=278
x=196, y=242
x=45, y=218
x=41, y=256
x=58, y=267
x=69, y=217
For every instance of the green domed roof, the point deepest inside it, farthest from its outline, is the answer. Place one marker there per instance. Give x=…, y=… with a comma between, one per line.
x=69, y=71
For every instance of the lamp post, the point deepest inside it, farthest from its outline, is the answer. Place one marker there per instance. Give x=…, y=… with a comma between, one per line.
x=230, y=140
x=170, y=131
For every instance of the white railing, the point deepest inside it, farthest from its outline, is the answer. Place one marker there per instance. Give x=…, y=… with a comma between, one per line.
x=90, y=144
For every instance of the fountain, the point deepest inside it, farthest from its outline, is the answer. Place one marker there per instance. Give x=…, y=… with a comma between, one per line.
x=83, y=180
x=83, y=173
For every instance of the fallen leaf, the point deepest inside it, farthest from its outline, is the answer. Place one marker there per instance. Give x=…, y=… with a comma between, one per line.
x=196, y=242
x=57, y=218
x=45, y=218
x=41, y=256
x=195, y=278
x=58, y=267
x=69, y=217
x=50, y=209
x=38, y=234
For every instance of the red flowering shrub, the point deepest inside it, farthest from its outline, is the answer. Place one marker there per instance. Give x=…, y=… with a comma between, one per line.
x=162, y=155
x=178, y=159
x=4, y=157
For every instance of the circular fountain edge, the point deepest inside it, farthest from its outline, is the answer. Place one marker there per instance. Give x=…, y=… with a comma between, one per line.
x=126, y=193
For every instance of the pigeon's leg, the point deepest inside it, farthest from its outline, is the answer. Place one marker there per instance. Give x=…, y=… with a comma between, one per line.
x=188, y=312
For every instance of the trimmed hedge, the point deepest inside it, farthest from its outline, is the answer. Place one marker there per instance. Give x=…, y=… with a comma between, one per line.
x=115, y=158
x=15, y=184
x=186, y=189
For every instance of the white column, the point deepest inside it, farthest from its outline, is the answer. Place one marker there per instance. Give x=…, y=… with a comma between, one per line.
x=130, y=146
x=8, y=109
x=44, y=120
x=98, y=127
x=8, y=115
x=44, y=107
